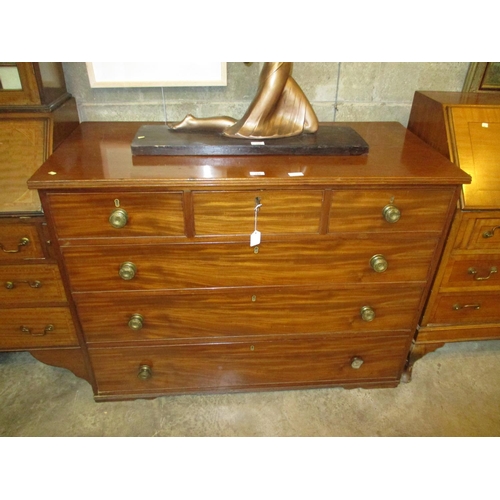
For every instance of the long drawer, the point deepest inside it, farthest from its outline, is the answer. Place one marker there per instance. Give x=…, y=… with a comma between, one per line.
x=389, y=210
x=226, y=366
x=142, y=316
x=37, y=327
x=466, y=308
x=31, y=284
x=485, y=234
x=19, y=242
x=478, y=271
x=318, y=262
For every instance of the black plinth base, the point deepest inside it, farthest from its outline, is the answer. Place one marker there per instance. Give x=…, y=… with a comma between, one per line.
x=330, y=140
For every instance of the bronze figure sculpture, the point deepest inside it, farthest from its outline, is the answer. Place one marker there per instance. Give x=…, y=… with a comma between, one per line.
x=279, y=109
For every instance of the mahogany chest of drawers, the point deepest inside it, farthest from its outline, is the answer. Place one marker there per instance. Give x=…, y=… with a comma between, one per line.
x=463, y=305
x=169, y=295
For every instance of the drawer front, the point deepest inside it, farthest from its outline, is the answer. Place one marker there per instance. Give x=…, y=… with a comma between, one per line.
x=389, y=210
x=37, y=327
x=106, y=215
x=31, y=284
x=479, y=271
x=485, y=235
x=222, y=213
x=251, y=365
x=466, y=308
x=225, y=265
x=19, y=242
x=246, y=312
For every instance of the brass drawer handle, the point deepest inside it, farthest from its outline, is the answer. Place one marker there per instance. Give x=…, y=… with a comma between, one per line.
x=47, y=329
x=118, y=218
x=136, y=322
x=378, y=263
x=22, y=243
x=356, y=362
x=491, y=232
x=473, y=271
x=31, y=283
x=127, y=271
x=391, y=213
x=457, y=307
x=145, y=372
x=367, y=313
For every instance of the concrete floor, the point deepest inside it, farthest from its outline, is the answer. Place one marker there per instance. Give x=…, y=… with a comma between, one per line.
x=455, y=391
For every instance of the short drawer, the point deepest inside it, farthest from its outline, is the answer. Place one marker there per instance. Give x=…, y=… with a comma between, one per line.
x=142, y=316
x=478, y=271
x=223, y=213
x=31, y=284
x=24, y=328
x=118, y=214
x=466, y=308
x=485, y=234
x=235, y=264
x=390, y=210
x=19, y=241
x=223, y=366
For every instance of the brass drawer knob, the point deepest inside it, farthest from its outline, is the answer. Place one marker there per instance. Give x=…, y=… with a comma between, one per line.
x=391, y=213
x=145, y=372
x=118, y=218
x=378, y=263
x=367, y=313
x=356, y=362
x=127, y=271
x=136, y=322
x=22, y=243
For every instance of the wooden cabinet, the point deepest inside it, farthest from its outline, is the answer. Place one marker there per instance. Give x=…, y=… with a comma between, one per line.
x=464, y=127
x=170, y=297
x=36, y=115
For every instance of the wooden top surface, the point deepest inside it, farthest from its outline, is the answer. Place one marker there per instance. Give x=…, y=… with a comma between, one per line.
x=464, y=98
x=98, y=155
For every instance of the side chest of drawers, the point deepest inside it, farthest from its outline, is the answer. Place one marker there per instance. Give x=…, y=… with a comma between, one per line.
x=33, y=303
x=170, y=296
x=463, y=302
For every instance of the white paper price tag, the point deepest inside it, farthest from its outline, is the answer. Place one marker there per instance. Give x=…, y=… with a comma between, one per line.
x=255, y=238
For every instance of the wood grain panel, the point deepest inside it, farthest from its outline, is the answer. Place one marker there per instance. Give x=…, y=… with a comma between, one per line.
x=361, y=210
x=231, y=265
x=36, y=320
x=476, y=147
x=220, y=213
x=23, y=148
x=257, y=364
x=149, y=214
x=246, y=312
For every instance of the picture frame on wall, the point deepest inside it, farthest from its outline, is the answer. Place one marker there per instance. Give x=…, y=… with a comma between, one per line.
x=156, y=74
x=482, y=76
